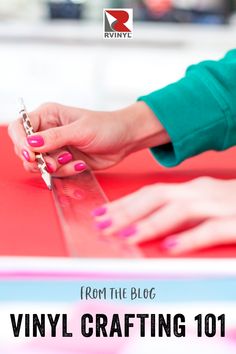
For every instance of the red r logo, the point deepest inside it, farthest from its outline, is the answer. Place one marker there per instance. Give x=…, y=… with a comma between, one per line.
x=121, y=17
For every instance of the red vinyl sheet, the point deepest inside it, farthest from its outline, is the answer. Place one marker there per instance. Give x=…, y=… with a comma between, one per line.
x=29, y=224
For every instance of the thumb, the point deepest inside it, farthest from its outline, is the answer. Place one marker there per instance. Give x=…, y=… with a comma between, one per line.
x=52, y=139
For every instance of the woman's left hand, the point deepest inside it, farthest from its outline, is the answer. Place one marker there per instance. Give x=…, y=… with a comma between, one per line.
x=205, y=208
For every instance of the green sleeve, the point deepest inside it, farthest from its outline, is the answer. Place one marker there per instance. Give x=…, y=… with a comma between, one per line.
x=198, y=112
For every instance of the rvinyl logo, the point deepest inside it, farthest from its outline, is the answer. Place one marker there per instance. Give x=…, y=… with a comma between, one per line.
x=118, y=23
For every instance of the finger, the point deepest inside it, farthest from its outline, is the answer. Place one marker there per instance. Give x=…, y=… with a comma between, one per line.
x=71, y=168
x=57, y=159
x=31, y=167
x=47, y=115
x=121, y=213
x=167, y=219
x=208, y=234
x=53, y=138
x=17, y=134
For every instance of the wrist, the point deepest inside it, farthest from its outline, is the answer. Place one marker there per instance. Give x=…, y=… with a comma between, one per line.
x=143, y=127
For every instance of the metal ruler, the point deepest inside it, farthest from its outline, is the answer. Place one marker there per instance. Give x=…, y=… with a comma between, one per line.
x=75, y=198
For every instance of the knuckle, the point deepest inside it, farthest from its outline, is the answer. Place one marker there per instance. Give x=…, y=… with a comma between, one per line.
x=165, y=191
x=144, y=190
x=46, y=105
x=182, y=210
x=126, y=214
x=190, y=208
x=212, y=228
x=204, y=180
x=179, y=207
x=46, y=108
x=53, y=135
x=156, y=191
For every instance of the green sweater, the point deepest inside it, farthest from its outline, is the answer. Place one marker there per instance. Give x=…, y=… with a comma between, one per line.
x=198, y=112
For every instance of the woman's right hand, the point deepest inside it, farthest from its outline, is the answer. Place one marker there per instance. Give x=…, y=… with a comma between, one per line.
x=73, y=138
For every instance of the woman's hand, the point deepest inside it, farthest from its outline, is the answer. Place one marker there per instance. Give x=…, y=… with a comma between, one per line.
x=74, y=138
x=205, y=208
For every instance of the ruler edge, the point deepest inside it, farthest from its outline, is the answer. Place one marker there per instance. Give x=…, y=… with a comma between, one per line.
x=135, y=250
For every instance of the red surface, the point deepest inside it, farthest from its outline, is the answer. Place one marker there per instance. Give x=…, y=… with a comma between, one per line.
x=29, y=224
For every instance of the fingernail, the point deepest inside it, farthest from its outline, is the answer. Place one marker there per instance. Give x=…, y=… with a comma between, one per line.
x=26, y=155
x=102, y=225
x=50, y=168
x=169, y=243
x=80, y=166
x=65, y=158
x=99, y=211
x=129, y=231
x=35, y=140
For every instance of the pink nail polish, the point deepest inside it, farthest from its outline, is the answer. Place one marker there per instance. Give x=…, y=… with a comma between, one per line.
x=35, y=140
x=50, y=168
x=99, y=211
x=80, y=166
x=102, y=225
x=26, y=155
x=169, y=243
x=129, y=231
x=65, y=158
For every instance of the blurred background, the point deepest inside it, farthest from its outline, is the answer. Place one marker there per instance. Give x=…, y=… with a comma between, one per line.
x=55, y=51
